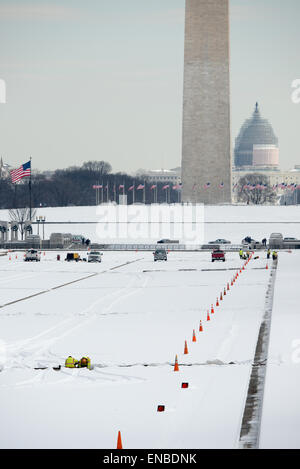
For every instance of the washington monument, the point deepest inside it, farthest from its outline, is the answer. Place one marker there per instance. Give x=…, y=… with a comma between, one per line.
x=206, y=156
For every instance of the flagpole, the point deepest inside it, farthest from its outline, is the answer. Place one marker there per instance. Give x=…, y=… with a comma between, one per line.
x=30, y=192
x=133, y=192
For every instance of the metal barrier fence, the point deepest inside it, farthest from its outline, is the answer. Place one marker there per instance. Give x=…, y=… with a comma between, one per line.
x=168, y=247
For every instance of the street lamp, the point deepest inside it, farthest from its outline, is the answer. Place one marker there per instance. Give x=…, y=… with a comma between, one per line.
x=41, y=219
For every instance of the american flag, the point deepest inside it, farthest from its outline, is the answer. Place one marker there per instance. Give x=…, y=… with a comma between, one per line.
x=166, y=187
x=207, y=185
x=221, y=185
x=131, y=188
x=153, y=187
x=140, y=186
x=24, y=170
x=121, y=186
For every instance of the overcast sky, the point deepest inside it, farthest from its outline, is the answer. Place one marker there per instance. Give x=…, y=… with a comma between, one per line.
x=103, y=79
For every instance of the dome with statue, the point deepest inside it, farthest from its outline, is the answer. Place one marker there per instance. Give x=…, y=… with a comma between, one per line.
x=256, y=144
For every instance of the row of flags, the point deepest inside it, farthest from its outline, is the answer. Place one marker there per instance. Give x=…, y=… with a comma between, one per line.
x=139, y=187
x=283, y=185
x=206, y=186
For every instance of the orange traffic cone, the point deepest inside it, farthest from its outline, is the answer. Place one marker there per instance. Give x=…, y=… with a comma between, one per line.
x=9, y=258
x=208, y=318
x=119, y=443
x=227, y=286
x=185, y=348
x=217, y=303
x=267, y=266
x=221, y=296
x=194, y=336
x=224, y=291
x=176, y=367
x=200, y=327
x=212, y=309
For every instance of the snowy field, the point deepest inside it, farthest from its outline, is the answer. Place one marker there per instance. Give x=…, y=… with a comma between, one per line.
x=132, y=316
x=229, y=222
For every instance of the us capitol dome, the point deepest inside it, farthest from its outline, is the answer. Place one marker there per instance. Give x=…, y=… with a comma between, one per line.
x=256, y=146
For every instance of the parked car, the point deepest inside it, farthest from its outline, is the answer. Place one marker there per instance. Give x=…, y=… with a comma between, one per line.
x=94, y=256
x=73, y=256
x=32, y=255
x=168, y=241
x=160, y=255
x=220, y=241
x=290, y=239
x=218, y=255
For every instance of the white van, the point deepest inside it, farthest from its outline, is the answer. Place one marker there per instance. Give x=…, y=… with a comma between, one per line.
x=94, y=256
x=32, y=255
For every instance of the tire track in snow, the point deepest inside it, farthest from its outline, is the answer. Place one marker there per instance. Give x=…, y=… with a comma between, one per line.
x=19, y=356
x=94, y=274
x=251, y=422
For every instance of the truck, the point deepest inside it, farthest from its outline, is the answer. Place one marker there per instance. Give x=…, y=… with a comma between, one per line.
x=218, y=255
x=73, y=256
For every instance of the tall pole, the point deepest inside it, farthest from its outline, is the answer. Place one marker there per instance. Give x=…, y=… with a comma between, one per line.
x=30, y=192
x=133, y=194
x=15, y=197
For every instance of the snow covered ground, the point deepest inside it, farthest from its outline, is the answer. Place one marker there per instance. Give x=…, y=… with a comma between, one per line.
x=281, y=411
x=229, y=222
x=132, y=316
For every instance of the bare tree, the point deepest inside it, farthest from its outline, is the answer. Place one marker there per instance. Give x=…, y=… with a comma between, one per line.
x=21, y=216
x=255, y=189
x=101, y=167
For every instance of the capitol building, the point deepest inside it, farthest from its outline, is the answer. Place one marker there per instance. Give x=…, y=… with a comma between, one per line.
x=257, y=151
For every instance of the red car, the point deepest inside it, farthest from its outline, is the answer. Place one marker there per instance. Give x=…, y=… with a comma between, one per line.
x=217, y=255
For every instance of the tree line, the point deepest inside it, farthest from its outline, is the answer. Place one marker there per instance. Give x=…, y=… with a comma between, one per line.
x=74, y=186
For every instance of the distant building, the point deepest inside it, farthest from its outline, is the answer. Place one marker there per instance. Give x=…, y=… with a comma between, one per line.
x=275, y=178
x=4, y=169
x=162, y=175
x=256, y=145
